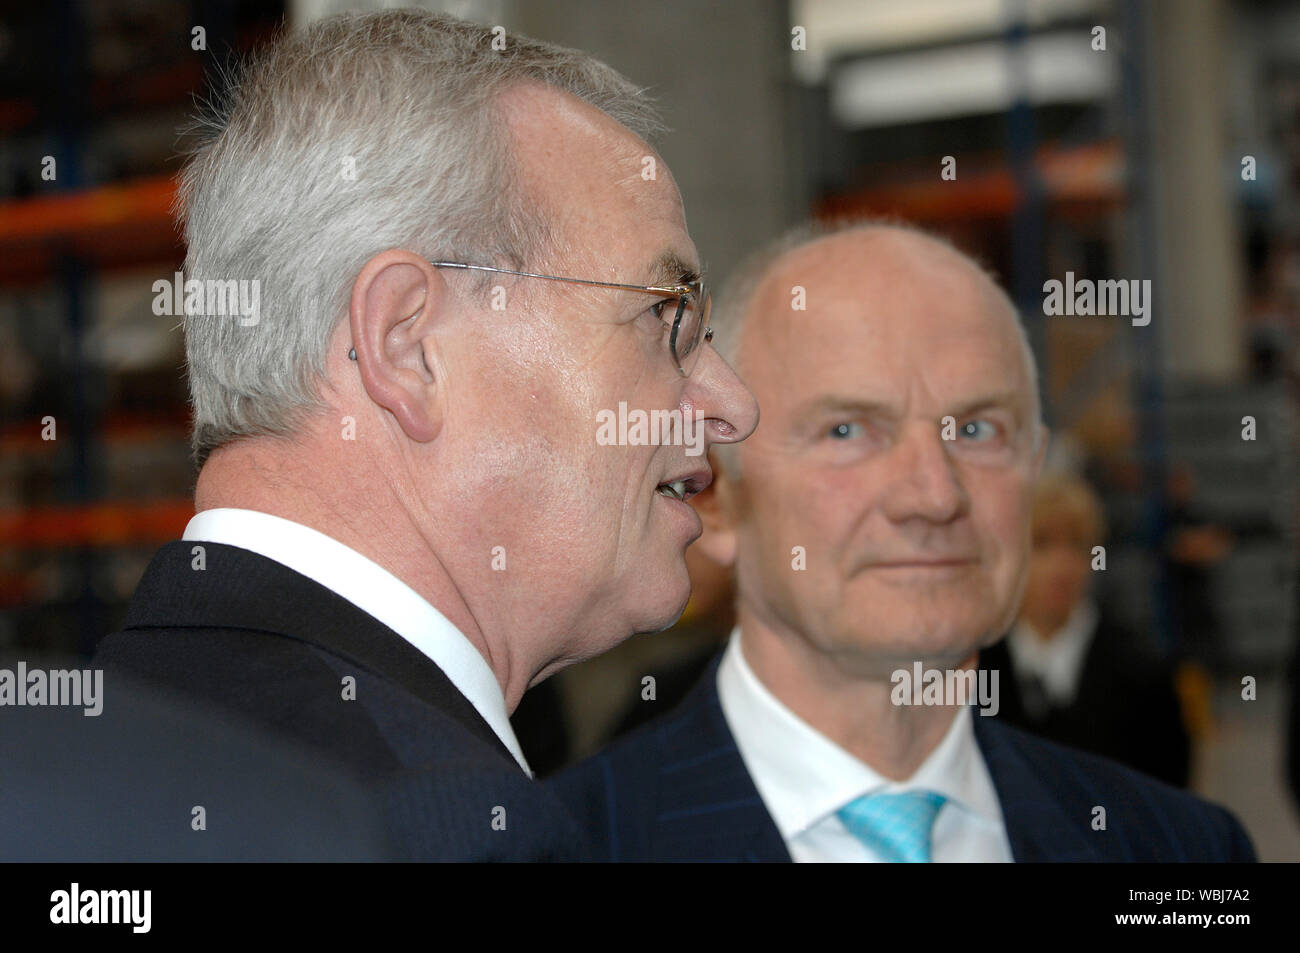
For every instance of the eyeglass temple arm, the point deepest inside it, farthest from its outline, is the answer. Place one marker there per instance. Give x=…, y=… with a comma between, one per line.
x=659, y=289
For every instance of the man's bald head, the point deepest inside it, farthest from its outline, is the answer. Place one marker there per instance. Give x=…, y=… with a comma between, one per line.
x=898, y=443
x=868, y=253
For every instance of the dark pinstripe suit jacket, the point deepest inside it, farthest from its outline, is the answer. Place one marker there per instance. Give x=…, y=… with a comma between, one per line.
x=678, y=790
x=257, y=640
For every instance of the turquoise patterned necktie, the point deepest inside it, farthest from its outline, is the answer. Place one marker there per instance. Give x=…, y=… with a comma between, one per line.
x=897, y=827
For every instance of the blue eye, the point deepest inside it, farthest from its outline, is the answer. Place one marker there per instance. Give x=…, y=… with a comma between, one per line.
x=979, y=430
x=844, y=431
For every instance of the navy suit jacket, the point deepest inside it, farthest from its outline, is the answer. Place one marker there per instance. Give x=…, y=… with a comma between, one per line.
x=123, y=786
x=678, y=790
x=257, y=640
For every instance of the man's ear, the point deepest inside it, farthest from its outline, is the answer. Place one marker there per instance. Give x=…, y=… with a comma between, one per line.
x=717, y=507
x=396, y=301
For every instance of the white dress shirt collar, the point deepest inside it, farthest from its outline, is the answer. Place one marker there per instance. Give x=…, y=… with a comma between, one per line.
x=1057, y=662
x=804, y=778
x=375, y=591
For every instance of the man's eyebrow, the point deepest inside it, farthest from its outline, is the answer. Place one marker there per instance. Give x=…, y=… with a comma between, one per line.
x=832, y=404
x=670, y=269
x=1009, y=398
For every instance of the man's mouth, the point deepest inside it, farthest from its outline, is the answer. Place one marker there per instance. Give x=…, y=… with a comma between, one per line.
x=675, y=490
x=922, y=563
x=930, y=563
x=685, y=486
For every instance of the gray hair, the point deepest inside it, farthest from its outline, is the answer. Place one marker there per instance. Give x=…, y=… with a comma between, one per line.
x=736, y=298
x=406, y=102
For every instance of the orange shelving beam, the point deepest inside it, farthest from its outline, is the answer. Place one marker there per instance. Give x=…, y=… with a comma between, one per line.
x=112, y=225
x=96, y=524
x=1075, y=178
x=77, y=213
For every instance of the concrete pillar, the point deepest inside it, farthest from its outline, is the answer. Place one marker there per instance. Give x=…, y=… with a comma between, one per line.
x=719, y=73
x=1199, y=248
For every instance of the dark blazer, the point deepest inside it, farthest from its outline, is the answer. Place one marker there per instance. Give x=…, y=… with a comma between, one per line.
x=678, y=790
x=126, y=785
x=252, y=637
x=1126, y=707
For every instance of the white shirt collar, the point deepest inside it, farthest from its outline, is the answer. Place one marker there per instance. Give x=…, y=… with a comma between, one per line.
x=803, y=776
x=1058, y=662
x=372, y=589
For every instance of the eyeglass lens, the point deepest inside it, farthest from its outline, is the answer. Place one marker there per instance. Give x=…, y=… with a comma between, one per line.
x=688, y=328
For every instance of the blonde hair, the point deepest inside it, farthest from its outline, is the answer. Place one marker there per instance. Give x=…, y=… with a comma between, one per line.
x=1064, y=498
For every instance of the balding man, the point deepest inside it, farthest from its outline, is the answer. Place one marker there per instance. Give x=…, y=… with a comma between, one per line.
x=406, y=515
x=878, y=523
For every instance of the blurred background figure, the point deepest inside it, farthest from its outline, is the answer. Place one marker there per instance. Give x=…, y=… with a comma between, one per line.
x=1069, y=671
x=1194, y=547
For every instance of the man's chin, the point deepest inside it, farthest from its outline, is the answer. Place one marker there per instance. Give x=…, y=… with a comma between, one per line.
x=666, y=610
x=650, y=622
x=936, y=651
x=937, y=645
x=940, y=621
x=672, y=616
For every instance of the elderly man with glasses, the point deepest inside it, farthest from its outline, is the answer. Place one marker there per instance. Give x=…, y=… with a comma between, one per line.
x=404, y=516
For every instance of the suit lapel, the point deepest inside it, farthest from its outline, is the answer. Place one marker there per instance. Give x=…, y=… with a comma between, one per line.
x=239, y=589
x=1038, y=826
x=709, y=806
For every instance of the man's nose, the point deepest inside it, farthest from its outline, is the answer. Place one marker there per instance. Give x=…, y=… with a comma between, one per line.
x=720, y=397
x=924, y=482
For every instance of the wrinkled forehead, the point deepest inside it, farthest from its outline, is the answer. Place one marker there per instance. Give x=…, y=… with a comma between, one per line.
x=611, y=200
x=872, y=313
